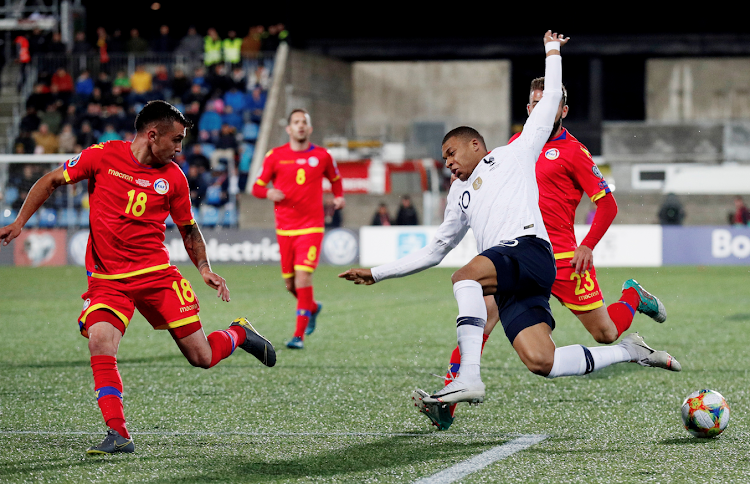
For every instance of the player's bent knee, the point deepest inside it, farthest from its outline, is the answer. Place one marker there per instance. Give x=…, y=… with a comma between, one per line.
x=540, y=364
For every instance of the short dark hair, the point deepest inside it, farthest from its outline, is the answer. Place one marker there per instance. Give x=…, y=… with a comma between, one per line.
x=159, y=112
x=465, y=133
x=538, y=85
x=298, y=110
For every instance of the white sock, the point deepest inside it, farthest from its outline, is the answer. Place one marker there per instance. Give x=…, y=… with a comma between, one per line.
x=580, y=360
x=472, y=316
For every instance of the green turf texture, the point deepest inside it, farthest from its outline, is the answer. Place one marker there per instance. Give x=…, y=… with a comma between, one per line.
x=338, y=411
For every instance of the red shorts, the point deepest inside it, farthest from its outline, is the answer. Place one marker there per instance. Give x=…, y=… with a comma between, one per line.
x=299, y=253
x=574, y=291
x=164, y=298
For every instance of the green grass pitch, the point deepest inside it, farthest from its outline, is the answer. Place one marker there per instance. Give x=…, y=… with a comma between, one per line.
x=339, y=410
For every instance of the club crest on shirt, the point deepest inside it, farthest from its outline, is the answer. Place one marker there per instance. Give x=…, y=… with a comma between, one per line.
x=596, y=171
x=143, y=183
x=552, y=154
x=161, y=186
x=74, y=161
x=477, y=183
x=313, y=161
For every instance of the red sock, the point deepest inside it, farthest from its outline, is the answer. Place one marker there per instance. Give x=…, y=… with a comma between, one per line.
x=622, y=312
x=455, y=364
x=305, y=307
x=224, y=342
x=108, y=388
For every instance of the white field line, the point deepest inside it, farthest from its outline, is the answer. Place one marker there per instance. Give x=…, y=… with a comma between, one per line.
x=443, y=435
x=469, y=466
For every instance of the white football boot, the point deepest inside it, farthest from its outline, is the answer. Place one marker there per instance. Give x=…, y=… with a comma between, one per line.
x=459, y=390
x=644, y=355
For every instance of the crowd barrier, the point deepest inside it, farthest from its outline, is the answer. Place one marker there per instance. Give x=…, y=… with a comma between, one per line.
x=622, y=246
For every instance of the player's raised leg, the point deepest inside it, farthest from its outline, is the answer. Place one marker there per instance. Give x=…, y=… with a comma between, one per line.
x=648, y=304
x=207, y=351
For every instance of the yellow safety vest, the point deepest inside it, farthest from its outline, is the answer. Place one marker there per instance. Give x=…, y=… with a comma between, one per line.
x=232, y=50
x=211, y=51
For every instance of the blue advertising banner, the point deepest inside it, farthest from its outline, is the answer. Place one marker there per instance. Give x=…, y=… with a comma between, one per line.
x=707, y=245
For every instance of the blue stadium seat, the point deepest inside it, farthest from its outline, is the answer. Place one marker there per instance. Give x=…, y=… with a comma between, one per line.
x=11, y=195
x=208, y=149
x=83, y=218
x=67, y=217
x=47, y=218
x=250, y=132
x=33, y=221
x=229, y=216
x=209, y=216
x=7, y=216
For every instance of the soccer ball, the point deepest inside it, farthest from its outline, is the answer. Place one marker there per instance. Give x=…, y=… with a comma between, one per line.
x=705, y=413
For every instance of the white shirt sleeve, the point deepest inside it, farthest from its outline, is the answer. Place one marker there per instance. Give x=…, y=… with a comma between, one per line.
x=449, y=234
x=539, y=124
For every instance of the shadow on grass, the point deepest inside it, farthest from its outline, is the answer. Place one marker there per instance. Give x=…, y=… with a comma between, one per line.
x=87, y=362
x=686, y=440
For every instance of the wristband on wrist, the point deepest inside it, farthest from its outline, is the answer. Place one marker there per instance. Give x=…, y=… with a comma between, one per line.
x=554, y=45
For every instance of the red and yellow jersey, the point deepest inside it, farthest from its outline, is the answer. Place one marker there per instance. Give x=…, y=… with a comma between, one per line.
x=299, y=175
x=129, y=204
x=564, y=171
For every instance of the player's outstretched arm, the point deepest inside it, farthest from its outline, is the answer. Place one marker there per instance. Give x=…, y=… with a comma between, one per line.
x=359, y=276
x=38, y=194
x=195, y=246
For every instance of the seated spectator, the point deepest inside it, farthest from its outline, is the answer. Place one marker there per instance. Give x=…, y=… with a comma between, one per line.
x=219, y=80
x=136, y=44
x=67, y=140
x=80, y=44
x=86, y=136
x=62, y=85
x=40, y=98
x=116, y=44
x=200, y=78
x=232, y=118
x=217, y=191
x=180, y=84
x=191, y=44
x=198, y=180
x=162, y=84
x=46, y=140
x=407, y=215
x=52, y=117
x=103, y=82
x=30, y=122
x=109, y=134
x=84, y=86
x=115, y=97
x=24, y=182
x=381, y=217
x=56, y=45
x=226, y=148
x=209, y=124
x=93, y=116
x=195, y=94
x=255, y=102
x=260, y=77
x=741, y=213
x=96, y=96
x=122, y=81
x=141, y=81
x=197, y=157
x=235, y=98
x=239, y=78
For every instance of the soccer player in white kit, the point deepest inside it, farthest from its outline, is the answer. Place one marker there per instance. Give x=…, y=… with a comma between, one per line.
x=496, y=195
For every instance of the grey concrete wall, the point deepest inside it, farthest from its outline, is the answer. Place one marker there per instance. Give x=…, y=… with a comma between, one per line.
x=389, y=97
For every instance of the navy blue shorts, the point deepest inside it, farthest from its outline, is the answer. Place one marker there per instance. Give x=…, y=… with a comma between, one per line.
x=525, y=273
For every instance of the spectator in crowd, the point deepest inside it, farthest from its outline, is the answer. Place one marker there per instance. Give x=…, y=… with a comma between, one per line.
x=255, y=103
x=232, y=118
x=52, y=117
x=38, y=42
x=671, y=211
x=30, y=122
x=84, y=86
x=191, y=44
x=220, y=82
x=163, y=44
x=200, y=78
x=239, y=78
x=63, y=81
x=136, y=44
x=102, y=44
x=40, y=98
x=93, y=116
x=180, y=84
x=406, y=215
x=209, y=124
x=23, y=58
x=381, y=217
x=141, y=84
x=86, y=136
x=235, y=98
x=116, y=43
x=198, y=182
x=24, y=143
x=197, y=157
x=122, y=81
x=212, y=48
x=741, y=213
x=46, y=141
x=56, y=45
x=67, y=140
x=104, y=82
x=333, y=217
x=195, y=94
x=162, y=84
x=193, y=113
x=217, y=191
x=109, y=134
x=251, y=43
x=259, y=77
x=226, y=148
x=231, y=48
x=80, y=44
x=23, y=183
x=243, y=167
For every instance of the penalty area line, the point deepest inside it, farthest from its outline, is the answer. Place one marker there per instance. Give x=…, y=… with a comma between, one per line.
x=479, y=462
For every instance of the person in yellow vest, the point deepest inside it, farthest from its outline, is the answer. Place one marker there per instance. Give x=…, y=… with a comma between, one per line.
x=232, y=48
x=211, y=48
